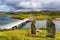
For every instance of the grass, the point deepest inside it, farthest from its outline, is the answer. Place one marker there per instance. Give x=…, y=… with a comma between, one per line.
x=22, y=16
x=36, y=16
x=24, y=34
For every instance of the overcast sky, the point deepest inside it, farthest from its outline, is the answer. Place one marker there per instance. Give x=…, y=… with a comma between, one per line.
x=22, y=5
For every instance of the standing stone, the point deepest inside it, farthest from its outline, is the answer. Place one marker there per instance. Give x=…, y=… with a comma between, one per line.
x=33, y=28
x=50, y=28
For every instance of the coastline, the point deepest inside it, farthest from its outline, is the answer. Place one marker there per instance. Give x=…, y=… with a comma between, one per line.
x=38, y=19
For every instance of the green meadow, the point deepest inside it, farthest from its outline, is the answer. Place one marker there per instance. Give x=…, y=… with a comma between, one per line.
x=36, y=14
x=39, y=15
x=24, y=34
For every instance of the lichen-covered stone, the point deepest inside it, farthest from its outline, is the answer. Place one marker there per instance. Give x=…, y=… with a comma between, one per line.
x=50, y=28
x=33, y=28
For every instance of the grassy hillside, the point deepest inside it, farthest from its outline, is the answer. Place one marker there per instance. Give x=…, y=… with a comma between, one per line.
x=24, y=34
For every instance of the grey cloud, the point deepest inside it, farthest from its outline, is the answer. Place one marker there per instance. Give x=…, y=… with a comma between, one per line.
x=15, y=5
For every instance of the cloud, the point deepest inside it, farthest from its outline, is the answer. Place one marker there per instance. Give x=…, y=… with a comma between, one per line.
x=27, y=4
x=16, y=5
x=54, y=5
x=6, y=8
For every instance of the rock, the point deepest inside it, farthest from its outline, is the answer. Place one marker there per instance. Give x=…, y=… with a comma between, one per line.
x=50, y=28
x=33, y=28
x=39, y=31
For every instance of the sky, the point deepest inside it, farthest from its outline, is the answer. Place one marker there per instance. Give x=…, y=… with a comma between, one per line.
x=27, y=5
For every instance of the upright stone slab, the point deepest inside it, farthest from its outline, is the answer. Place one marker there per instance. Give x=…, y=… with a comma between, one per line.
x=50, y=28
x=33, y=28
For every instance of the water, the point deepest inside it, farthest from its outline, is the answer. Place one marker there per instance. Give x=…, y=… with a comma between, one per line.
x=42, y=24
x=5, y=19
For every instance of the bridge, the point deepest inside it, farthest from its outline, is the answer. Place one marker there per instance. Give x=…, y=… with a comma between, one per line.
x=14, y=24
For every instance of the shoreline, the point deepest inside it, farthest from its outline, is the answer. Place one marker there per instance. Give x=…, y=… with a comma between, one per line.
x=38, y=19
